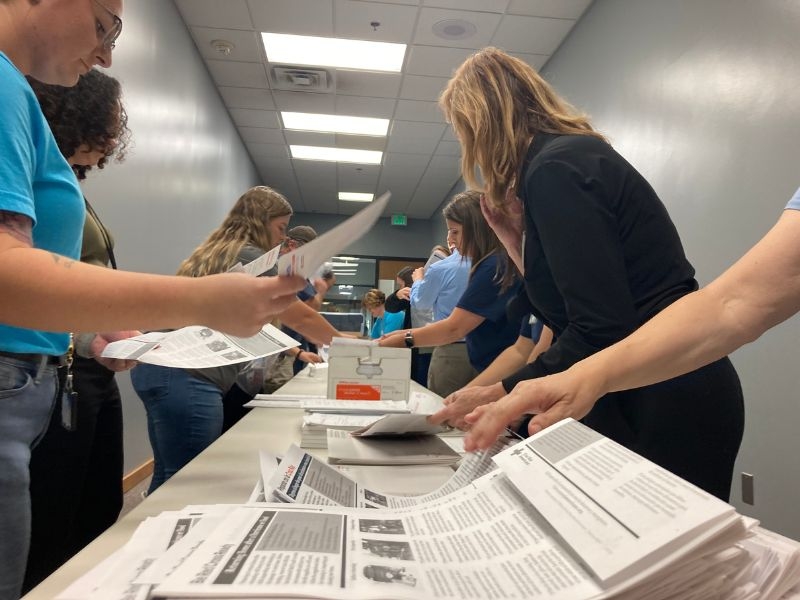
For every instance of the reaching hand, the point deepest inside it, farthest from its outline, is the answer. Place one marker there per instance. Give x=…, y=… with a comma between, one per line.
x=403, y=293
x=309, y=357
x=554, y=398
x=461, y=402
x=418, y=273
x=101, y=340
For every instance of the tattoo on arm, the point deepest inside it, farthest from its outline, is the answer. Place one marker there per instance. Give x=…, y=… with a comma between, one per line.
x=62, y=260
x=17, y=226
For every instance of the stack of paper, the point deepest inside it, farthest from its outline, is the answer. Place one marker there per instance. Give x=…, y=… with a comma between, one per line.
x=355, y=407
x=345, y=449
x=314, y=430
x=566, y=515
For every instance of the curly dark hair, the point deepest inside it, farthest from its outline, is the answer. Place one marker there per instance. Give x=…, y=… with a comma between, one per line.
x=89, y=113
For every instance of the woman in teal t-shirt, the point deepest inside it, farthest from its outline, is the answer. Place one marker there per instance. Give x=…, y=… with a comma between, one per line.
x=383, y=322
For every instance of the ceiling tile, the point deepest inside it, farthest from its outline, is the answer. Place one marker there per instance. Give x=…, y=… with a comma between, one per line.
x=245, y=117
x=363, y=106
x=304, y=102
x=352, y=20
x=238, y=74
x=261, y=135
x=302, y=17
x=262, y=151
x=413, y=130
x=562, y=9
x=419, y=87
x=231, y=14
x=498, y=6
x=435, y=61
x=361, y=142
x=532, y=35
x=537, y=61
x=485, y=24
x=418, y=110
x=246, y=45
x=238, y=97
x=412, y=146
x=310, y=138
x=357, y=178
x=448, y=148
x=363, y=83
x=320, y=172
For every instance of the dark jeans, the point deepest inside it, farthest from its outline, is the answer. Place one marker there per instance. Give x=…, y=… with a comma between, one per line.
x=76, y=476
x=184, y=416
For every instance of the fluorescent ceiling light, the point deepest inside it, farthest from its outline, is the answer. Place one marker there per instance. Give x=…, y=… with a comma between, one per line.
x=344, y=258
x=335, y=123
x=356, y=197
x=333, y=52
x=367, y=157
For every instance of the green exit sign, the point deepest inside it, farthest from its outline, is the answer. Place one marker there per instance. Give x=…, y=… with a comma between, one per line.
x=399, y=220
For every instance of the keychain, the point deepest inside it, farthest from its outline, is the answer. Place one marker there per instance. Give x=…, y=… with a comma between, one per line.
x=69, y=398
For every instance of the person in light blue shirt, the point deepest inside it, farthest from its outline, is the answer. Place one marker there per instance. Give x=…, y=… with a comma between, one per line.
x=441, y=286
x=383, y=321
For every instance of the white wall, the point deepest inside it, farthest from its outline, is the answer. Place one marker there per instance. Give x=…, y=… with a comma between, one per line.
x=186, y=167
x=702, y=97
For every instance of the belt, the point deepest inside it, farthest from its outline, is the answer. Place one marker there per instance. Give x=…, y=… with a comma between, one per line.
x=34, y=358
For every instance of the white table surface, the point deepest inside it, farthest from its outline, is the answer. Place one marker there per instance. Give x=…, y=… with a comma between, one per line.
x=227, y=471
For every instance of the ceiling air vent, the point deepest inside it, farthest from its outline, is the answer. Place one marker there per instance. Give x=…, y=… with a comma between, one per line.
x=301, y=79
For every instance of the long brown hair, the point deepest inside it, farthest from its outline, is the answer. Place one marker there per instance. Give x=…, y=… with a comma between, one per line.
x=247, y=224
x=497, y=104
x=478, y=240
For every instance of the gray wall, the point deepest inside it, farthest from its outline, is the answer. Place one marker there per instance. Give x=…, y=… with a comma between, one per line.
x=702, y=97
x=186, y=168
x=383, y=240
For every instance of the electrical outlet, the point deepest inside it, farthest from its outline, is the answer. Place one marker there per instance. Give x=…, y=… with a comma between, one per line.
x=748, y=488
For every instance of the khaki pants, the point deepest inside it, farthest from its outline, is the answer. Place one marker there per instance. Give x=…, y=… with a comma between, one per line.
x=450, y=369
x=281, y=372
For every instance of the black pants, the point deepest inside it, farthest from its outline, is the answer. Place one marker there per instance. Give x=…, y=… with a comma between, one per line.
x=76, y=476
x=691, y=425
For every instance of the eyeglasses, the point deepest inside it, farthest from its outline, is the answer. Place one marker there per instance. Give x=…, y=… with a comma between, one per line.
x=108, y=37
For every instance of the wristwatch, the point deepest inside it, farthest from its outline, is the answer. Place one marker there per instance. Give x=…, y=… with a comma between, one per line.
x=409, y=339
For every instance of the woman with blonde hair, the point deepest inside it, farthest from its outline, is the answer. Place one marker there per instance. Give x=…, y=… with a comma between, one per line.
x=599, y=256
x=184, y=406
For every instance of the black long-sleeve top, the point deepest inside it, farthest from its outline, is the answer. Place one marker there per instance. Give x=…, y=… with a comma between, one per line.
x=600, y=252
x=395, y=304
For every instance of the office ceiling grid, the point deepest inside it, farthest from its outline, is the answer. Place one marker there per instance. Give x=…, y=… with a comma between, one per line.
x=421, y=156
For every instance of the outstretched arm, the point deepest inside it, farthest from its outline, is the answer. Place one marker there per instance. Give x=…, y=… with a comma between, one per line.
x=46, y=291
x=447, y=331
x=761, y=290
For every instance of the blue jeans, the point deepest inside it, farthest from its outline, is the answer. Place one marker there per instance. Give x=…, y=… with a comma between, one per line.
x=26, y=401
x=184, y=416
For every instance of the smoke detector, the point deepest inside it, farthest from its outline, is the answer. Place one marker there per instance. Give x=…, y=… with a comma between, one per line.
x=454, y=29
x=224, y=47
x=301, y=79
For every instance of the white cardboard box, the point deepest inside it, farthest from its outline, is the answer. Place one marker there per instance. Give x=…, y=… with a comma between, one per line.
x=361, y=372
